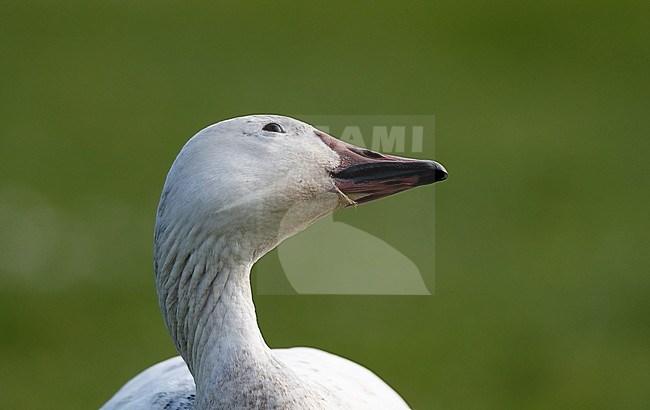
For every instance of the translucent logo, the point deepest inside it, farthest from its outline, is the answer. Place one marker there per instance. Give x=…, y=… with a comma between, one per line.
x=382, y=248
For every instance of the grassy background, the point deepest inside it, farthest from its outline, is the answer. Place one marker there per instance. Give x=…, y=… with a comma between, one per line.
x=542, y=114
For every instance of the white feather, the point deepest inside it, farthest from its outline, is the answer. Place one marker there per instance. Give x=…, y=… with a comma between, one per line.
x=170, y=383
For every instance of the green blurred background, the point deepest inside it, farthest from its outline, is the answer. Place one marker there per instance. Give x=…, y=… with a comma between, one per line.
x=542, y=117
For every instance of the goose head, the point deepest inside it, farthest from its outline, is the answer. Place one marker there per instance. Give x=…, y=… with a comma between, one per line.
x=262, y=178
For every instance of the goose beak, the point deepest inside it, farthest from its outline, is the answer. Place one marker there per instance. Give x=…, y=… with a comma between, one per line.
x=366, y=175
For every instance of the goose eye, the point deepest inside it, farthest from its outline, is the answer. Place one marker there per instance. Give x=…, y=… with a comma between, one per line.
x=273, y=127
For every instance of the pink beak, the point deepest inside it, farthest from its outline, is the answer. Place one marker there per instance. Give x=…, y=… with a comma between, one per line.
x=375, y=175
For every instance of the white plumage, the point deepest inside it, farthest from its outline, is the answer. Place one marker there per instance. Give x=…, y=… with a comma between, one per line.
x=170, y=383
x=235, y=191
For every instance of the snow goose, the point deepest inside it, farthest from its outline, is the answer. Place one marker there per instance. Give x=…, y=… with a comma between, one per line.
x=235, y=191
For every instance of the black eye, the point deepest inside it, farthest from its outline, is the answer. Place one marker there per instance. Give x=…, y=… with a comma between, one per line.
x=273, y=127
